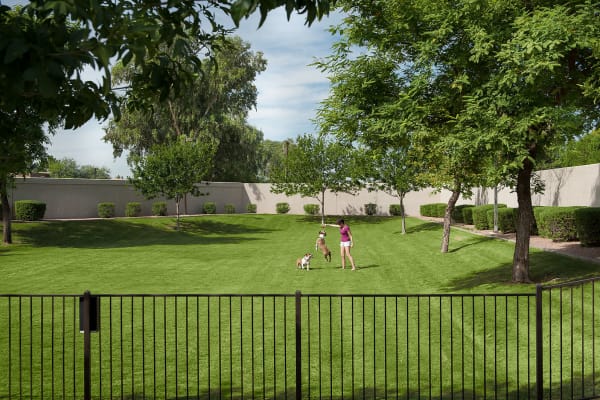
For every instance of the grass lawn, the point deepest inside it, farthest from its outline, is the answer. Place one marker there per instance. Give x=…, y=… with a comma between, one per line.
x=257, y=254
x=233, y=347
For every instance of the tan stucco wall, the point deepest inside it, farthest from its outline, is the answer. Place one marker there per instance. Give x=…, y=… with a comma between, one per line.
x=573, y=186
x=79, y=198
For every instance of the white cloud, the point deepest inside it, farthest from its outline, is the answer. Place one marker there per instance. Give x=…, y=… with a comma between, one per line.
x=289, y=90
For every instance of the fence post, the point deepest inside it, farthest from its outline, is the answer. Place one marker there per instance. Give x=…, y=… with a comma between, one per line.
x=539, y=344
x=87, y=373
x=298, y=345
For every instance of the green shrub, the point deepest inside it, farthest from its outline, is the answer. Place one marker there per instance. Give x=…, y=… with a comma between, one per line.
x=159, y=208
x=537, y=212
x=467, y=215
x=587, y=220
x=282, y=208
x=133, y=209
x=480, y=219
x=311, y=209
x=371, y=209
x=558, y=223
x=209, y=207
x=30, y=210
x=395, y=209
x=507, y=219
x=251, y=208
x=436, y=210
x=229, y=209
x=106, y=210
x=457, y=214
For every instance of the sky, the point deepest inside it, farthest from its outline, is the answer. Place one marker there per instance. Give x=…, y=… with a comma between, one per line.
x=289, y=90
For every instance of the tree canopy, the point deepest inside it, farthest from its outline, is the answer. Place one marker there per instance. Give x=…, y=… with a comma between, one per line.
x=214, y=105
x=46, y=46
x=312, y=165
x=488, y=87
x=173, y=169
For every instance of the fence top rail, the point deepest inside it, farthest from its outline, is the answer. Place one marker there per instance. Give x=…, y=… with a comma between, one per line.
x=579, y=282
x=270, y=295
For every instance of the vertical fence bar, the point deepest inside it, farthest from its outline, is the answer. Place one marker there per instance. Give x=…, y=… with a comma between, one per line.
x=298, y=345
x=87, y=365
x=483, y=318
x=539, y=344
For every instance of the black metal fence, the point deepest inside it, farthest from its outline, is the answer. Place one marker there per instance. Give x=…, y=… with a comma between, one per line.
x=273, y=346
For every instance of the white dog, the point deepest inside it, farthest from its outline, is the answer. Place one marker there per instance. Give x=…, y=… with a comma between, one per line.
x=304, y=262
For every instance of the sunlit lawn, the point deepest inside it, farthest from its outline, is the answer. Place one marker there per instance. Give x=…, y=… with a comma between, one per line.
x=257, y=254
x=369, y=347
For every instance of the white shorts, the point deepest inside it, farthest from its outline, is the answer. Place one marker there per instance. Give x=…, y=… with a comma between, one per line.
x=346, y=244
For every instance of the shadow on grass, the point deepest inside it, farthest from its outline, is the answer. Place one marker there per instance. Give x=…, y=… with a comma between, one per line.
x=115, y=233
x=423, y=227
x=356, y=390
x=471, y=242
x=543, y=267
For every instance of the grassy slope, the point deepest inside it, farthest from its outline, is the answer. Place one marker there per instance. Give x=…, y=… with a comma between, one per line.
x=256, y=254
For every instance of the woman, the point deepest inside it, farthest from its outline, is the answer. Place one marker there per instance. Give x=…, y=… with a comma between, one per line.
x=345, y=242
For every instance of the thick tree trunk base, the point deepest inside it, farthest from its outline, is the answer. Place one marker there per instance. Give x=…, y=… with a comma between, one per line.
x=6, y=217
x=448, y=219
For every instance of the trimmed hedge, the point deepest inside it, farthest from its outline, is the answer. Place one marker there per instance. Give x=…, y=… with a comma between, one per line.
x=457, y=213
x=467, y=214
x=229, y=209
x=558, y=223
x=507, y=219
x=251, y=208
x=106, y=210
x=587, y=220
x=537, y=212
x=282, y=208
x=371, y=209
x=311, y=209
x=436, y=210
x=30, y=210
x=209, y=207
x=395, y=209
x=480, y=219
x=159, y=208
x=133, y=209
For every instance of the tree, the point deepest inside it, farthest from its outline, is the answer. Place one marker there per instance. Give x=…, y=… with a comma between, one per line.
x=44, y=70
x=46, y=46
x=68, y=168
x=395, y=171
x=22, y=140
x=173, y=169
x=272, y=154
x=543, y=92
x=314, y=165
x=388, y=94
x=582, y=151
x=481, y=79
x=215, y=104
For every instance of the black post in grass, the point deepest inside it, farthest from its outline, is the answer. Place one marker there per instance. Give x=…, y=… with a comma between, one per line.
x=539, y=344
x=87, y=383
x=298, y=345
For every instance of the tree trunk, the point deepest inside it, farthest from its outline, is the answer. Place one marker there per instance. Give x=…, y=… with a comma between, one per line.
x=6, y=220
x=402, y=215
x=520, y=272
x=177, y=199
x=448, y=218
x=322, y=201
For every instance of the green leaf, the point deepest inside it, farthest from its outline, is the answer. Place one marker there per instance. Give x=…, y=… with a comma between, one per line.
x=15, y=50
x=241, y=8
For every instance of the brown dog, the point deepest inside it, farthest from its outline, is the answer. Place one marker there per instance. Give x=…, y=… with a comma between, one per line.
x=304, y=262
x=320, y=245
